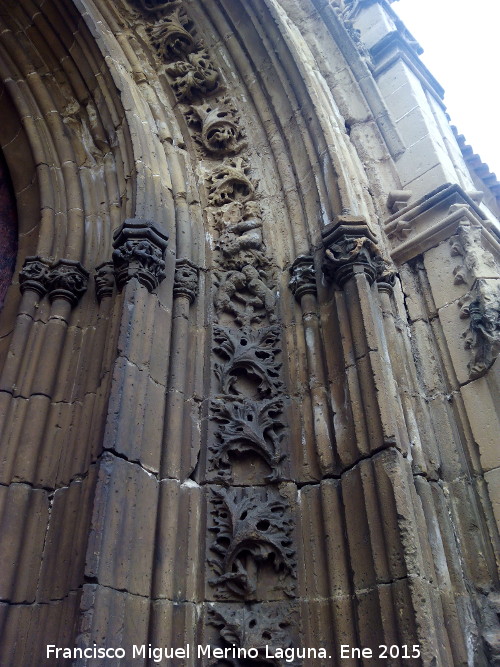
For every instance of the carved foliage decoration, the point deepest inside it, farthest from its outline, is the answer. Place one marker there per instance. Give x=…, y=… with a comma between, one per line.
x=263, y=627
x=247, y=426
x=193, y=77
x=482, y=306
x=170, y=37
x=229, y=182
x=217, y=127
x=249, y=361
x=251, y=528
x=475, y=260
x=139, y=250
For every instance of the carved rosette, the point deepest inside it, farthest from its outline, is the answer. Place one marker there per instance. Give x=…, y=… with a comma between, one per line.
x=303, y=277
x=139, y=251
x=350, y=248
x=67, y=280
x=104, y=279
x=482, y=306
x=252, y=529
x=186, y=279
x=34, y=275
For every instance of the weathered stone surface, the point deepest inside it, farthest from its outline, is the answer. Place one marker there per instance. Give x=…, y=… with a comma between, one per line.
x=24, y=516
x=126, y=498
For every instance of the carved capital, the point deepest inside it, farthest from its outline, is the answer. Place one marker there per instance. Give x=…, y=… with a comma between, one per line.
x=186, y=279
x=34, y=275
x=303, y=280
x=139, y=251
x=350, y=248
x=104, y=280
x=67, y=280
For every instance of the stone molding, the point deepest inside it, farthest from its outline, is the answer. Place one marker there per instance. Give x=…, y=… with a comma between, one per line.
x=351, y=247
x=139, y=253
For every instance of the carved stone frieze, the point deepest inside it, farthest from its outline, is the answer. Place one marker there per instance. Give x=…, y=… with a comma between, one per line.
x=245, y=296
x=139, y=251
x=186, y=279
x=482, y=306
x=253, y=544
x=194, y=77
x=170, y=35
x=247, y=426
x=104, y=280
x=350, y=247
x=266, y=628
x=34, y=275
x=249, y=368
x=303, y=277
x=67, y=280
x=229, y=182
x=217, y=127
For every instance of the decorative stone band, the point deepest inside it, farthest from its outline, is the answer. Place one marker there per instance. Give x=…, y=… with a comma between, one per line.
x=67, y=280
x=104, y=280
x=351, y=247
x=139, y=251
x=303, y=280
x=186, y=279
x=34, y=275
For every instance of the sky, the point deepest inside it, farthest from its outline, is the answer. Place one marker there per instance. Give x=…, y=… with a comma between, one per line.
x=461, y=42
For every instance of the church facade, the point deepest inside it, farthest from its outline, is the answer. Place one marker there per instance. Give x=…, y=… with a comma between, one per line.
x=251, y=307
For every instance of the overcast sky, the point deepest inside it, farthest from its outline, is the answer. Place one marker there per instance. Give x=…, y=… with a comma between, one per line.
x=461, y=42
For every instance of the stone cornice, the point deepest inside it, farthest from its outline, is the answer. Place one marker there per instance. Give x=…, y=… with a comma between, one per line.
x=434, y=218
